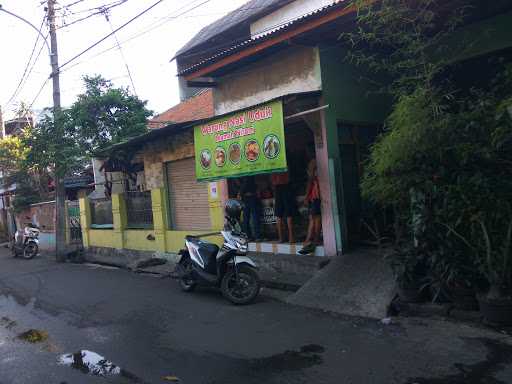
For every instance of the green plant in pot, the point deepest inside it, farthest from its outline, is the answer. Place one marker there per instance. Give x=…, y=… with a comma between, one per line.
x=408, y=265
x=452, y=278
x=494, y=252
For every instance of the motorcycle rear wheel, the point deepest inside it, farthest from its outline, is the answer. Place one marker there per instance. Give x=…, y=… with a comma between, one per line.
x=242, y=287
x=30, y=251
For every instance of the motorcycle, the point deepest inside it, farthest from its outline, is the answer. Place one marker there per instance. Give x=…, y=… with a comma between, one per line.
x=26, y=242
x=228, y=268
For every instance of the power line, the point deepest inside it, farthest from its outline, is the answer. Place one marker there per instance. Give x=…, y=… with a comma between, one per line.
x=165, y=19
x=73, y=3
x=168, y=18
x=98, y=11
x=121, y=52
x=110, y=34
x=39, y=92
x=15, y=93
x=33, y=65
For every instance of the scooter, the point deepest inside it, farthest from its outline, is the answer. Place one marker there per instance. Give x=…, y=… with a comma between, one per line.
x=26, y=242
x=228, y=268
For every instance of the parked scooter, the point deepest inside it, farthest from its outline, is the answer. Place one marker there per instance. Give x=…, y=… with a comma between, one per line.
x=26, y=242
x=203, y=263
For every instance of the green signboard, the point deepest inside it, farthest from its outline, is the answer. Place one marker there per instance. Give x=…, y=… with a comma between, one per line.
x=244, y=143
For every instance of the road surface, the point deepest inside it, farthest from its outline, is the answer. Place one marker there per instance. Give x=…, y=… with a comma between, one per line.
x=99, y=325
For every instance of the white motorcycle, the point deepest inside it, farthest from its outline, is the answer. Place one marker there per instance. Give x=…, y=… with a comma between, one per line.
x=228, y=267
x=26, y=242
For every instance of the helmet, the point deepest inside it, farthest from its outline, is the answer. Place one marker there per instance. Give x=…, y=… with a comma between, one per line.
x=233, y=209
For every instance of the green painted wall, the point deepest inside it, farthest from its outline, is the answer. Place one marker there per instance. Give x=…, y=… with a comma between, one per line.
x=345, y=88
x=346, y=91
x=482, y=38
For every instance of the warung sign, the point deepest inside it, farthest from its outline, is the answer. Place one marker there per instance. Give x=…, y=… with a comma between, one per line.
x=244, y=143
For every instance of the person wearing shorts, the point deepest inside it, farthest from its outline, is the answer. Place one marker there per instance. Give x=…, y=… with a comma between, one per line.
x=283, y=205
x=314, y=204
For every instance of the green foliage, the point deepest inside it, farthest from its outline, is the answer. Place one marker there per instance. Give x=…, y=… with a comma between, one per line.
x=63, y=143
x=444, y=162
x=12, y=154
x=26, y=191
x=101, y=116
x=404, y=40
x=105, y=115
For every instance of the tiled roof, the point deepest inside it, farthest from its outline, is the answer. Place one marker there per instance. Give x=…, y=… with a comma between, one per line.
x=195, y=108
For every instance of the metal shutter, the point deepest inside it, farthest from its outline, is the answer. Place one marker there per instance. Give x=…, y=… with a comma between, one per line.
x=188, y=199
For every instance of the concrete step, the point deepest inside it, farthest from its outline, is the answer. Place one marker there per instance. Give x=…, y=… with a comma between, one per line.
x=359, y=283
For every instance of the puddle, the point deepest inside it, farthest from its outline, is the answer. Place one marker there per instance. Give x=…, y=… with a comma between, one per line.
x=306, y=357
x=498, y=356
x=7, y=323
x=91, y=363
x=33, y=336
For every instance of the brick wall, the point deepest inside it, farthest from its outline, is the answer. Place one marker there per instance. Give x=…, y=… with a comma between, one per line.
x=175, y=147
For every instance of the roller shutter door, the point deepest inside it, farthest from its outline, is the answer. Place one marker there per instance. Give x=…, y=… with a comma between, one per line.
x=188, y=199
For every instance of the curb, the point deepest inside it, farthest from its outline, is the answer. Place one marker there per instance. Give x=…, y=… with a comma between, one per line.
x=286, y=287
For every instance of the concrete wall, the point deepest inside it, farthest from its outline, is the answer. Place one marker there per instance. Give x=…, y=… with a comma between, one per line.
x=293, y=70
x=42, y=215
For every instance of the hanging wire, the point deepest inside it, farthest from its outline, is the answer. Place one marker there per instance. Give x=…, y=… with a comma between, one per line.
x=106, y=12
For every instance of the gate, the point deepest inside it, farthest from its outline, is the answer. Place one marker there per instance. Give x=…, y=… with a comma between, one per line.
x=75, y=229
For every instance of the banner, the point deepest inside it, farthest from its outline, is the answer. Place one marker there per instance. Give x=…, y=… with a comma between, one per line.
x=244, y=143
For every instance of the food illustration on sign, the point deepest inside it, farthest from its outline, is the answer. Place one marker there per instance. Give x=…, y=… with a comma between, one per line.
x=252, y=150
x=206, y=158
x=271, y=146
x=235, y=153
x=220, y=156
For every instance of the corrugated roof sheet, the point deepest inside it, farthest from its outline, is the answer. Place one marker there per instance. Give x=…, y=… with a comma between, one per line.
x=245, y=14
x=262, y=36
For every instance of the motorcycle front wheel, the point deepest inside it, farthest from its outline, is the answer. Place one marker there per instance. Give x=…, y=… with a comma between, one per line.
x=30, y=251
x=187, y=283
x=241, y=287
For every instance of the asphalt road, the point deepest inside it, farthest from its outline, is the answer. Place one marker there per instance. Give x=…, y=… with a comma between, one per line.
x=151, y=330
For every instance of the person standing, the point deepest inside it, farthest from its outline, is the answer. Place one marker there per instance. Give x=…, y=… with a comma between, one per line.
x=313, y=202
x=251, y=211
x=283, y=205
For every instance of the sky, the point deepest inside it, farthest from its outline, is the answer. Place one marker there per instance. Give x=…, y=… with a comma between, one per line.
x=147, y=44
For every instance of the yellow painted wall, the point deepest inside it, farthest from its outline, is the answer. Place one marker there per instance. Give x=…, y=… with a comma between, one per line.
x=136, y=239
x=101, y=238
x=164, y=239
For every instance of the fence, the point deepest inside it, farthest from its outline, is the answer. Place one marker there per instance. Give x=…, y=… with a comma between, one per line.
x=139, y=211
x=75, y=229
x=101, y=213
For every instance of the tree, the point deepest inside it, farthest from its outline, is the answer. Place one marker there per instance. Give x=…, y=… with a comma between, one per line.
x=105, y=115
x=12, y=154
x=444, y=160
x=101, y=116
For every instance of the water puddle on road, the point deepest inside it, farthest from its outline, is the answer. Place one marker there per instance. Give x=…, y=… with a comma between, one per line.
x=307, y=356
x=91, y=363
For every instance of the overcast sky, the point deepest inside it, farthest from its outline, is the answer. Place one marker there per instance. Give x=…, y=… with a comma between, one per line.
x=148, y=55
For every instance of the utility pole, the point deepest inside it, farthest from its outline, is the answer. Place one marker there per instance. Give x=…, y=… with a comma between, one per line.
x=60, y=193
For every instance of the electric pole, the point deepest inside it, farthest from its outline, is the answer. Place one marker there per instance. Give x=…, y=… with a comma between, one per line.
x=60, y=193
